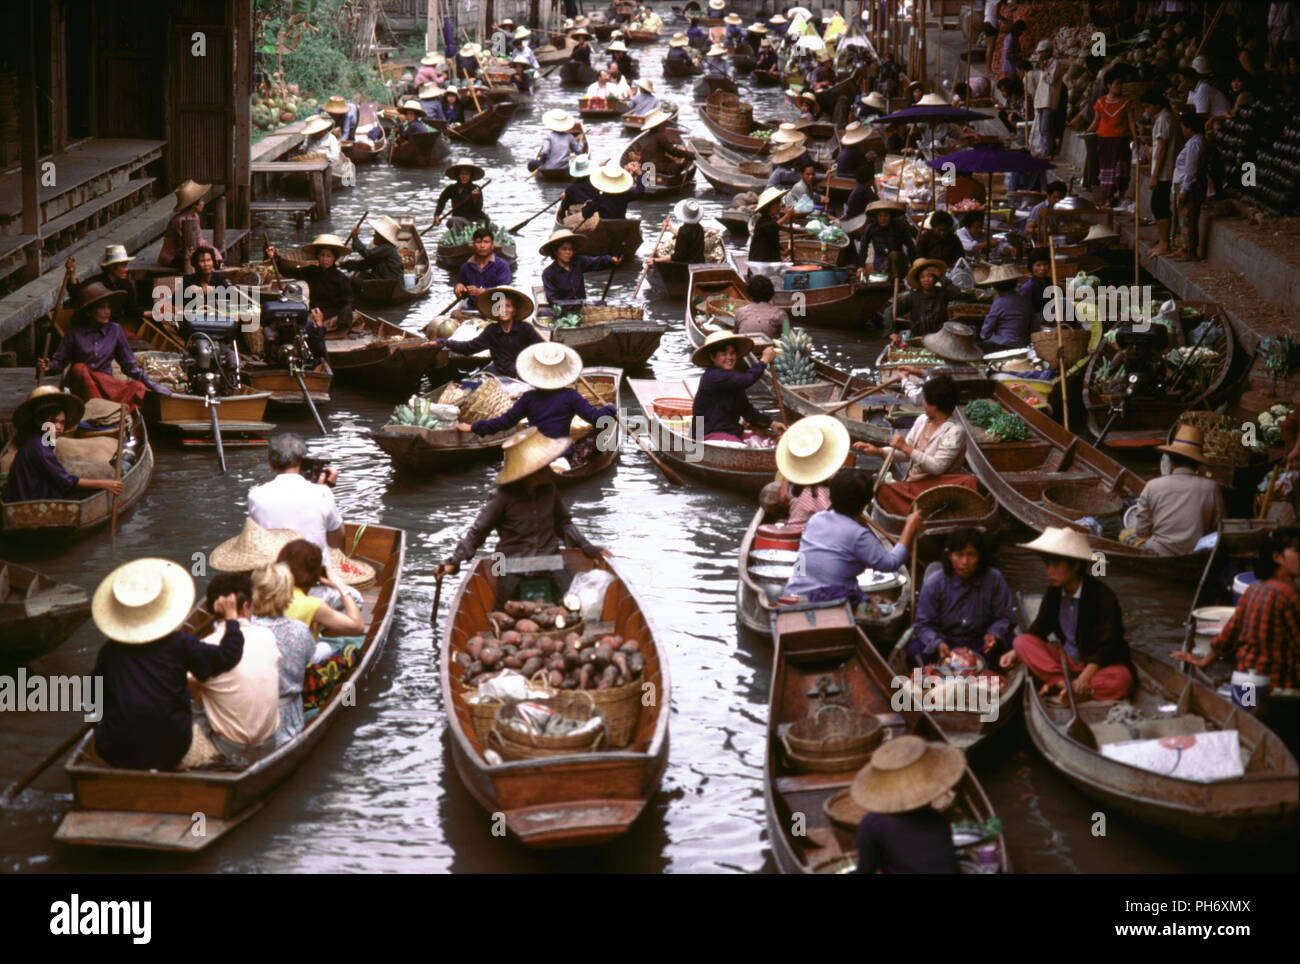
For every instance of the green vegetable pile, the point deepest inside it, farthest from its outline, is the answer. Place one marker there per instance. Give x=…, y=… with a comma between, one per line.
x=453, y=237
x=762, y=133
x=997, y=421
x=571, y=320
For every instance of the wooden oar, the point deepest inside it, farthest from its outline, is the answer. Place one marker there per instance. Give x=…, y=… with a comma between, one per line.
x=454, y=208
x=117, y=472
x=69, y=270
x=433, y=614
x=645, y=272
x=1060, y=338
x=356, y=228
x=520, y=226
x=663, y=467
x=884, y=470
x=861, y=395
x=27, y=778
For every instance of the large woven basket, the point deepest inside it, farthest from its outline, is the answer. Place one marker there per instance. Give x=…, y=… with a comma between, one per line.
x=1075, y=341
x=967, y=310
x=1074, y=501
x=574, y=704
x=487, y=401
x=621, y=707
x=953, y=502
x=832, y=739
x=598, y=314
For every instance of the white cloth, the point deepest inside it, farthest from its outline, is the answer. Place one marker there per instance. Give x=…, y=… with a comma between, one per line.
x=620, y=89
x=289, y=501
x=326, y=144
x=1163, y=130
x=941, y=455
x=1208, y=100
x=968, y=241
x=242, y=704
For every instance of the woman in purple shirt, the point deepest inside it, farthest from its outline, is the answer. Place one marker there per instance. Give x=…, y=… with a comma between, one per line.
x=36, y=472
x=720, y=400
x=965, y=606
x=551, y=369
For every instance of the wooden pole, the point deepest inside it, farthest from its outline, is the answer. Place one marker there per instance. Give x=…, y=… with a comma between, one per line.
x=26, y=779
x=1137, y=217
x=1060, y=338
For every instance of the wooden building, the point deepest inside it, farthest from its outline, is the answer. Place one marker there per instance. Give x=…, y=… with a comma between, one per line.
x=106, y=106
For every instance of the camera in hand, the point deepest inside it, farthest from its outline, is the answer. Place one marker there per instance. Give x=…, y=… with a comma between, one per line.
x=313, y=468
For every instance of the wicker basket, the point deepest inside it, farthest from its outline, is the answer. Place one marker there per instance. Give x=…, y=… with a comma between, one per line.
x=1074, y=340
x=575, y=704
x=598, y=314
x=1075, y=501
x=716, y=305
x=967, y=310
x=953, y=502
x=621, y=707
x=840, y=809
x=487, y=401
x=833, y=739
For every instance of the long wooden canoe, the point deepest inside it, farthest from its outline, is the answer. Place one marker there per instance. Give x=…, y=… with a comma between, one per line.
x=625, y=342
x=726, y=175
x=710, y=84
x=614, y=236
x=419, y=150
x=765, y=78
x=452, y=256
x=670, y=176
x=485, y=127
x=607, y=381
x=581, y=799
x=45, y=524
x=152, y=810
x=634, y=122
x=643, y=36
x=742, y=58
x=817, y=649
x=554, y=173
x=1264, y=800
x=736, y=140
x=383, y=358
x=395, y=293
x=677, y=68
x=242, y=413
x=37, y=614
x=868, y=420
x=366, y=152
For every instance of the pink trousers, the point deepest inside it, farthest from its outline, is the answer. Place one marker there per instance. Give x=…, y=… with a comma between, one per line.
x=1044, y=661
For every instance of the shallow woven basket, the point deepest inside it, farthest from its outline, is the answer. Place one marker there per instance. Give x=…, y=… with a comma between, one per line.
x=1076, y=501
x=714, y=305
x=487, y=401
x=574, y=704
x=840, y=809
x=596, y=314
x=1075, y=341
x=954, y=502
x=834, y=731
x=963, y=310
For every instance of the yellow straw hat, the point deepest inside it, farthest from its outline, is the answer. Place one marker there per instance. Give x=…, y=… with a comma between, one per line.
x=610, y=178
x=529, y=451
x=702, y=355
x=142, y=601
x=488, y=300
x=1059, y=541
x=812, y=449
x=24, y=416
x=1187, y=441
x=188, y=193
x=317, y=124
x=253, y=547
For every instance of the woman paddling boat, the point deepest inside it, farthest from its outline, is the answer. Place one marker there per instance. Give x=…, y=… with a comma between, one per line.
x=508, y=334
x=720, y=401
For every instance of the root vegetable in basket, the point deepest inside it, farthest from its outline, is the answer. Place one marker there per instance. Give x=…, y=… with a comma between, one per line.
x=531, y=667
x=490, y=655
x=527, y=626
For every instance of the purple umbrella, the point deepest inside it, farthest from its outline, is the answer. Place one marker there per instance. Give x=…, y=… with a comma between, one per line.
x=991, y=159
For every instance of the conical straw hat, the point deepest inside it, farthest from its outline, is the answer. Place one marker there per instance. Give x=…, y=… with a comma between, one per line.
x=529, y=451
x=253, y=547
x=906, y=773
x=1056, y=541
x=549, y=365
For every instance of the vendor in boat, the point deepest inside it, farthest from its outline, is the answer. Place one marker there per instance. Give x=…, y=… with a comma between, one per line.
x=971, y=234
x=602, y=88
x=678, y=55
x=113, y=268
x=765, y=255
x=205, y=274
x=615, y=187
x=551, y=369
x=966, y=605
x=481, y=272
x=938, y=242
x=381, y=260
x=735, y=33
x=431, y=71
x=1034, y=289
x=88, y=349
x=199, y=285
x=644, y=101
x=36, y=472
x=527, y=513
x=906, y=791
x=345, y=114
x=1099, y=243
x=779, y=24
x=852, y=155
x=887, y=236
x=820, y=81
x=1176, y=511
x=561, y=142
x=804, y=188
x=1043, y=221
x=581, y=53
x=807, y=455
x=925, y=303
x=579, y=199
x=563, y=279
x=467, y=62
x=620, y=87
x=189, y=207
x=696, y=34
x=410, y=122
x=330, y=285
x=522, y=47
x=715, y=63
x=933, y=450
x=507, y=335
x=451, y=110
x=141, y=606
x=523, y=83
x=688, y=240
x=1011, y=320
x=864, y=189
x=1083, y=614
x=1262, y=637
x=787, y=161
x=462, y=194
x=430, y=100
x=759, y=316
x=319, y=132
x=720, y=400
x=869, y=104
x=835, y=548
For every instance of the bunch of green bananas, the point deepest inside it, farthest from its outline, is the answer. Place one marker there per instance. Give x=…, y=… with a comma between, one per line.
x=794, y=363
x=421, y=412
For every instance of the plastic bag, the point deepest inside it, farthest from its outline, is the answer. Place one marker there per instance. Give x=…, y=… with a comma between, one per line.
x=590, y=588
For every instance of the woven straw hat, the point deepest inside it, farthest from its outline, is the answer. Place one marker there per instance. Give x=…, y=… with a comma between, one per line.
x=759, y=29
x=883, y=205
x=142, y=601
x=430, y=90
x=610, y=178
x=812, y=449
x=788, y=153
x=678, y=40
x=93, y=293
x=717, y=50
x=560, y=121
x=469, y=50
x=352, y=572
x=1055, y=541
x=617, y=47
x=906, y=773
x=549, y=365
x=1003, y=272
x=455, y=167
x=717, y=4
x=876, y=99
x=646, y=84
x=188, y=193
x=317, y=124
x=688, y=211
x=787, y=133
x=411, y=107
x=932, y=100
x=25, y=414
x=253, y=547
x=1187, y=441
x=655, y=118
x=529, y=451
x=114, y=254
x=430, y=60
x=335, y=105
x=522, y=33
x=855, y=133
x=581, y=32
x=522, y=301
x=1100, y=232
x=547, y=249
x=954, y=342
x=734, y=19
x=386, y=228
x=777, y=19
x=919, y=265
x=744, y=345
x=326, y=241
x=580, y=165
x=770, y=195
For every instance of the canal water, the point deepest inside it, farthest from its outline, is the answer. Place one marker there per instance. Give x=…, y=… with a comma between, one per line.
x=380, y=792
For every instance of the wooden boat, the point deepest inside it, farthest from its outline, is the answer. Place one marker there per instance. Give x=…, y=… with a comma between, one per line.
x=728, y=466
x=736, y=222
x=395, y=293
x=673, y=278
x=1264, y=800
x=240, y=415
x=601, y=108
x=710, y=84
x=37, y=614
x=742, y=143
x=676, y=68
x=556, y=52
x=581, y=799
x=615, y=236
x=817, y=650
x=577, y=74
x=823, y=144
x=759, y=582
x=671, y=176
x=419, y=150
x=710, y=281
x=643, y=36
x=764, y=78
x=486, y=126
x=607, y=381
x=554, y=173
x=452, y=256
x=986, y=521
x=872, y=419
x=728, y=176
x=283, y=387
x=382, y=358
x=366, y=152
x=45, y=524
x=634, y=122
x=626, y=342
x=154, y=810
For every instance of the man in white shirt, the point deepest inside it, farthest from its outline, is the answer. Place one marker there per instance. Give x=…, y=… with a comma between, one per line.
x=601, y=88
x=290, y=501
x=1205, y=97
x=618, y=84
x=241, y=707
x=1164, y=149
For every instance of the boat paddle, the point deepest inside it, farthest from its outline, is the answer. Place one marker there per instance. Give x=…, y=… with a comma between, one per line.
x=645, y=272
x=663, y=467
x=454, y=208
x=117, y=472
x=27, y=778
x=69, y=271
x=306, y=395
x=433, y=613
x=520, y=226
x=613, y=268
x=861, y=395
x=216, y=435
x=884, y=470
x=356, y=228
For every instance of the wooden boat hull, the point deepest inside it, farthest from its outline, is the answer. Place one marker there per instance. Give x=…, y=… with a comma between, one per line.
x=574, y=74
x=622, y=343
x=810, y=645
x=633, y=123
x=607, y=381
x=614, y=236
x=867, y=420
x=427, y=452
x=642, y=36
x=284, y=388
x=736, y=222
x=188, y=414
x=487, y=126
x=673, y=278
x=728, y=178
x=421, y=150
x=554, y=174
x=394, y=294
x=387, y=360
x=365, y=154
x=37, y=614
x=669, y=178
x=674, y=68
x=153, y=810
x=452, y=256
x=608, y=109
x=838, y=306
x=562, y=801
x=710, y=84
x=763, y=78
x=755, y=146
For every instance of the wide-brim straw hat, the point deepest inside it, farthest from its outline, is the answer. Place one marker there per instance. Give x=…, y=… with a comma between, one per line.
x=1100, y=232
x=189, y=192
x=522, y=301
x=93, y=293
x=560, y=121
x=317, y=124
x=893, y=207
x=387, y=228
x=1057, y=541
x=757, y=28
x=431, y=59
x=142, y=601
x=701, y=356
x=717, y=50
x=549, y=365
x=646, y=84
x=411, y=107
x=688, y=211
x=580, y=32
x=41, y=396
x=1187, y=441
x=527, y=452
x=876, y=99
x=610, y=178
x=777, y=19
x=335, y=105
x=114, y=254
x=770, y=195
x=580, y=165
x=919, y=265
x=932, y=100
x=678, y=40
x=655, y=118
x=522, y=33
x=469, y=50
x=1003, y=272
x=253, y=547
x=788, y=153
x=617, y=47
x=954, y=342
x=1042, y=45
x=787, y=133
x=547, y=249
x=351, y=572
x=429, y=91
x=734, y=19
x=812, y=449
x=326, y=241
x=455, y=167
x=717, y=4
x=855, y=133
x=907, y=773
x=1201, y=65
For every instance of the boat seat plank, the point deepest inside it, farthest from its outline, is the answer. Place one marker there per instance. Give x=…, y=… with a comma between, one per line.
x=597, y=817
x=148, y=831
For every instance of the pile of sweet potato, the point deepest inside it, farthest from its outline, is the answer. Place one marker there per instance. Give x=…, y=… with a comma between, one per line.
x=569, y=661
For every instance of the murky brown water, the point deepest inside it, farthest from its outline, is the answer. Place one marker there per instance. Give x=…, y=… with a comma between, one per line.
x=380, y=793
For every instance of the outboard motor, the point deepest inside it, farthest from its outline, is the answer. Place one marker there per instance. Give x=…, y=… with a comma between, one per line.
x=286, y=325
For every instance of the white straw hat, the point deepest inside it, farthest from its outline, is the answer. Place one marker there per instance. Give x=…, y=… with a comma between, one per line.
x=549, y=365
x=855, y=133
x=617, y=47
x=812, y=449
x=317, y=124
x=560, y=121
x=932, y=100
x=142, y=601
x=688, y=211
x=717, y=50
x=114, y=254
x=610, y=178
x=1057, y=541
x=787, y=133
x=386, y=228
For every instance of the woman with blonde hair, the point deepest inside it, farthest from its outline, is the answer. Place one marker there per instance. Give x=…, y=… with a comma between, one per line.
x=273, y=592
